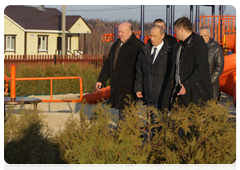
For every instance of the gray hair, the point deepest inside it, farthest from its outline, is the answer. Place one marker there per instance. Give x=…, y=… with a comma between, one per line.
x=205, y=27
x=162, y=31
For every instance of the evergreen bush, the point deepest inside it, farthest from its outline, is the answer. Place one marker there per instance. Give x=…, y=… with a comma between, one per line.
x=89, y=76
x=192, y=135
x=27, y=139
x=96, y=142
x=29, y=87
x=196, y=135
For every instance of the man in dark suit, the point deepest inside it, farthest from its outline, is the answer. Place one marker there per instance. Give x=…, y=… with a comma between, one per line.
x=171, y=40
x=190, y=80
x=152, y=71
x=152, y=68
x=119, y=67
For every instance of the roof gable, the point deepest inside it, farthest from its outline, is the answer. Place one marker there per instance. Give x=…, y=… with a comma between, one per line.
x=31, y=18
x=78, y=25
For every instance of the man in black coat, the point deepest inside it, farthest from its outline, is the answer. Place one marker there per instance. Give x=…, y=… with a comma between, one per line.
x=215, y=59
x=119, y=67
x=152, y=71
x=152, y=68
x=171, y=40
x=190, y=80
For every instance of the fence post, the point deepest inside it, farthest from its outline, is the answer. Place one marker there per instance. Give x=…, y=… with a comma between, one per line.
x=55, y=59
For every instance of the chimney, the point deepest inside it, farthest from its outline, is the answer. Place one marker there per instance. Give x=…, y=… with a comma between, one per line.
x=42, y=8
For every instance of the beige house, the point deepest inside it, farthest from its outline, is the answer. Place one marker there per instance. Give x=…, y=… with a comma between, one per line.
x=32, y=31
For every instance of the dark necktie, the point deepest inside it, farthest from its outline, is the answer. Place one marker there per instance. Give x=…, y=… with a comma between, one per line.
x=154, y=53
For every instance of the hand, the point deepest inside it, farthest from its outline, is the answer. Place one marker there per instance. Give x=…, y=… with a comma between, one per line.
x=98, y=85
x=139, y=94
x=182, y=90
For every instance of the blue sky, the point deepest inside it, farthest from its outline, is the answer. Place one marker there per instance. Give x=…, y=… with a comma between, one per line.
x=121, y=12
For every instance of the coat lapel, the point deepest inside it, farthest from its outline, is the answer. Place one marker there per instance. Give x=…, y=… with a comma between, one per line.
x=147, y=52
x=161, y=52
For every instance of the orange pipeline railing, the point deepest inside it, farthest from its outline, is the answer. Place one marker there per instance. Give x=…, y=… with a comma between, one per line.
x=110, y=37
x=224, y=25
x=6, y=78
x=13, y=82
x=51, y=86
x=14, y=79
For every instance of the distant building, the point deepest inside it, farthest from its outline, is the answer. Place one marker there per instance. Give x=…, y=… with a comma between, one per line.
x=30, y=31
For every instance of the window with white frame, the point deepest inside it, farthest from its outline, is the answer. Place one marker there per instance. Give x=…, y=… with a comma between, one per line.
x=10, y=41
x=42, y=43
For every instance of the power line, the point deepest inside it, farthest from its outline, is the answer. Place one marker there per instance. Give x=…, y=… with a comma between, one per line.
x=108, y=9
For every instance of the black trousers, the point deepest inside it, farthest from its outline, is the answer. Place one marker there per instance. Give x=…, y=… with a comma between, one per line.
x=121, y=116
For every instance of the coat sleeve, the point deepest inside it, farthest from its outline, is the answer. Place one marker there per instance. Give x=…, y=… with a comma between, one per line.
x=139, y=76
x=219, y=64
x=105, y=72
x=201, y=66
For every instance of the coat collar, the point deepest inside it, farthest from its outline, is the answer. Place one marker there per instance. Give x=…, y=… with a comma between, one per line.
x=131, y=39
x=149, y=46
x=211, y=42
x=147, y=49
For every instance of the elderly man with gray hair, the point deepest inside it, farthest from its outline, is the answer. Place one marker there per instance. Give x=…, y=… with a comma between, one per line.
x=215, y=59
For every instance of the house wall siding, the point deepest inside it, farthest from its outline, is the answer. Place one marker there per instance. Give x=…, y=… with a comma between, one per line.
x=27, y=40
x=74, y=43
x=12, y=29
x=80, y=27
x=32, y=43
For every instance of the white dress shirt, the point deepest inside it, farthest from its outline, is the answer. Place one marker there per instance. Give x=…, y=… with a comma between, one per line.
x=157, y=51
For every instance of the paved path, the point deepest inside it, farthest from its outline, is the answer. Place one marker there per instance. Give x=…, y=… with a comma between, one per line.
x=56, y=114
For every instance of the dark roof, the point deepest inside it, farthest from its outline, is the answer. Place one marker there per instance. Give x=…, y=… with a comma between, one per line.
x=33, y=18
x=70, y=20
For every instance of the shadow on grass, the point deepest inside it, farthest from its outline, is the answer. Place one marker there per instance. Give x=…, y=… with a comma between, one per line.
x=26, y=141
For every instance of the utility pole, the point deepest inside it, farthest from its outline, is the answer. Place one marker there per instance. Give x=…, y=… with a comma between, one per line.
x=142, y=23
x=63, y=30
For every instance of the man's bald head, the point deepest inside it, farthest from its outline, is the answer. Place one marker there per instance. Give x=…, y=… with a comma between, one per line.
x=124, y=31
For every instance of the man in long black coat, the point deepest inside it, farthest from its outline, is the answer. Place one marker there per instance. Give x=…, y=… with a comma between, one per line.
x=120, y=67
x=152, y=68
x=190, y=80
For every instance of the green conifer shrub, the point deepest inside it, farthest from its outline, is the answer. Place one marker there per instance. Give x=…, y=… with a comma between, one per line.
x=192, y=135
x=89, y=76
x=196, y=135
x=27, y=139
x=59, y=86
x=29, y=87
x=97, y=142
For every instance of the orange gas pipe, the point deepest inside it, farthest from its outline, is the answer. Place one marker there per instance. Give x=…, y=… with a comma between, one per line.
x=236, y=43
x=13, y=82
